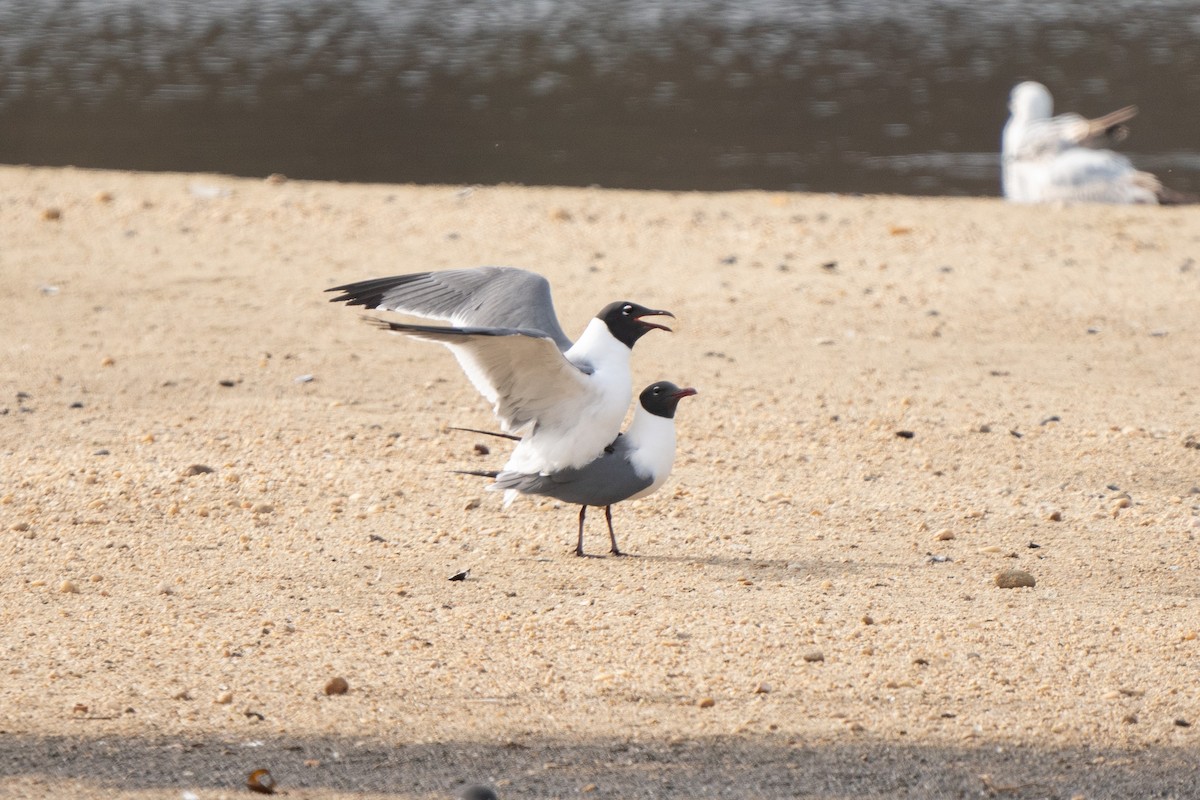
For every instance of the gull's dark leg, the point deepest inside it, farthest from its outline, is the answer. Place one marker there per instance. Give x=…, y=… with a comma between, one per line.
x=579, y=544
x=612, y=537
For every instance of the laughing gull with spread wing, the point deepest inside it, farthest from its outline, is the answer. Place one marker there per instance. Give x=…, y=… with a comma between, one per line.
x=566, y=400
x=634, y=465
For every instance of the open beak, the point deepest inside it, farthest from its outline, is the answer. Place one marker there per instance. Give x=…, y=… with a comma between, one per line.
x=682, y=393
x=652, y=313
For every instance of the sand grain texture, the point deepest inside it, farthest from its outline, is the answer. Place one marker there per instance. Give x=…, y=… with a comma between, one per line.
x=165, y=629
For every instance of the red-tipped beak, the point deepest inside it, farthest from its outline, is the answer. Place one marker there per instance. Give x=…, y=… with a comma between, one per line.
x=641, y=319
x=682, y=393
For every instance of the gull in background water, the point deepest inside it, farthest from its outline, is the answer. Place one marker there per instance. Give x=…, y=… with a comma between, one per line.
x=1048, y=159
x=565, y=400
x=634, y=465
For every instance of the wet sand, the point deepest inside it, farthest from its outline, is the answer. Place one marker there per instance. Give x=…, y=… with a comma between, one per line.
x=899, y=398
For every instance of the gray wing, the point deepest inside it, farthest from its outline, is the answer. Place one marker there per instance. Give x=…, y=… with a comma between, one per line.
x=522, y=373
x=1054, y=135
x=608, y=479
x=486, y=297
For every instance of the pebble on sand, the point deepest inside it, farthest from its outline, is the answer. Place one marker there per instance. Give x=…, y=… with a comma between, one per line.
x=1014, y=579
x=337, y=685
x=68, y=587
x=197, y=469
x=813, y=656
x=706, y=702
x=479, y=793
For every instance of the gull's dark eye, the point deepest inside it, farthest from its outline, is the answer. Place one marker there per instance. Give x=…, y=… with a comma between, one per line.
x=626, y=310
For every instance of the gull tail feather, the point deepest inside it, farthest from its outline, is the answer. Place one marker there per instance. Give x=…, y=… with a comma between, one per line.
x=479, y=473
x=497, y=434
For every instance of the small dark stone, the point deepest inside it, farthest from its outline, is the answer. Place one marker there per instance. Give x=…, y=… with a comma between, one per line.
x=482, y=449
x=76, y=404
x=729, y=260
x=376, y=538
x=1033, y=545
x=102, y=452
x=1183, y=723
x=829, y=266
x=905, y=434
x=460, y=576
x=479, y=793
x=227, y=383
x=1017, y=434
x=1048, y=420
x=197, y=469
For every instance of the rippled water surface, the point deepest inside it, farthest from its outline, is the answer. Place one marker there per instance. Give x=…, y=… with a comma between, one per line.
x=815, y=95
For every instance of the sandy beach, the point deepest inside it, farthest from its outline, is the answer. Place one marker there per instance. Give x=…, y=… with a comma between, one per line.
x=219, y=491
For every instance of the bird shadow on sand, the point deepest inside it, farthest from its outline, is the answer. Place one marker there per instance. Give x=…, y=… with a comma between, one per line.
x=776, y=568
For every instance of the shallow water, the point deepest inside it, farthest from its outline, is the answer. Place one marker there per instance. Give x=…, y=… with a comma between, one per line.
x=816, y=95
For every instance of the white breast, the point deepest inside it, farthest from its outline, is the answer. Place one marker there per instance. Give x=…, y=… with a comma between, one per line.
x=652, y=448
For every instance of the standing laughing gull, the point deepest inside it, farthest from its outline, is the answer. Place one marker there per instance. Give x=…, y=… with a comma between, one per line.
x=634, y=465
x=566, y=400
x=1048, y=158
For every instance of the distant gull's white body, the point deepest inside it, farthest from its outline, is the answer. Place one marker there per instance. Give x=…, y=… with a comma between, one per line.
x=1048, y=159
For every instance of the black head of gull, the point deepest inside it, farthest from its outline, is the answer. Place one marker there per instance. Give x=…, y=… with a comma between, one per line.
x=662, y=398
x=626, y=321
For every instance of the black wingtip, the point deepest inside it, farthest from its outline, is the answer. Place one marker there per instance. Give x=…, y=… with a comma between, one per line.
x=376, y=322
x=370, y=293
